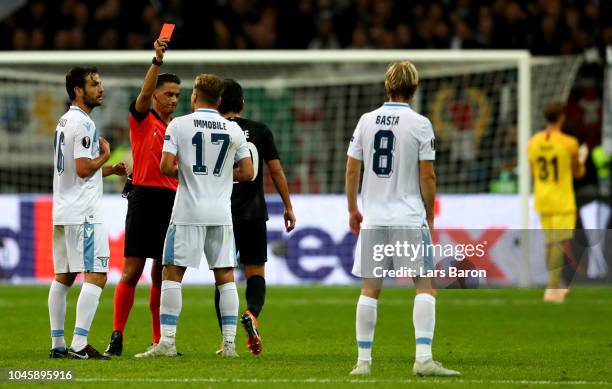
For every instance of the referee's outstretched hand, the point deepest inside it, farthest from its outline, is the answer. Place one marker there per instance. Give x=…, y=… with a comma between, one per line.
x=160, y=45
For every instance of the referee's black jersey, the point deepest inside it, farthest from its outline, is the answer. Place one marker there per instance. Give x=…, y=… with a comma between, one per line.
x=248, y=200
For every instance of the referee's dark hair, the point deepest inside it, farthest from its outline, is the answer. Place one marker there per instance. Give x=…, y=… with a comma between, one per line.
x=76, y=78
x=167, y=77
x=232, y=99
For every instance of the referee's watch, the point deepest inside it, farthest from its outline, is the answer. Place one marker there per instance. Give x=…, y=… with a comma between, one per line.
x=156, y=62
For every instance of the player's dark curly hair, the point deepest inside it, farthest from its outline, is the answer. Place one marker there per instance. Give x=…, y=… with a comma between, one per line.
x=167, y=77
x=232, y=99
x=76, y=78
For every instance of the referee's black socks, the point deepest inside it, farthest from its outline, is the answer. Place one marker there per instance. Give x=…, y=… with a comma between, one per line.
x=217, y=299
x=255, y=294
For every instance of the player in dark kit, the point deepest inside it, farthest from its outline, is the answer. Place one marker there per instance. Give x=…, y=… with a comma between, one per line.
x=249, y=211
x=150, y=201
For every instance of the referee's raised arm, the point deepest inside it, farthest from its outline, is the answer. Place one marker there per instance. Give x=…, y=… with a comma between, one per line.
x=143, y=101
x=151, y=199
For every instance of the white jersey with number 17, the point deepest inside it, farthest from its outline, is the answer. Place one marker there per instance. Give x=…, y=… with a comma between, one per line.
x=391, y=141
x=206, y=146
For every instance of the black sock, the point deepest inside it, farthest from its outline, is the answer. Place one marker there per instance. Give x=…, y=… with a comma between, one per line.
x=255, y=294
x=217, y=299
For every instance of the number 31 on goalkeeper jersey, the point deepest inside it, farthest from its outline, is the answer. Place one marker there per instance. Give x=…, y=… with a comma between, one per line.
x=551, y=155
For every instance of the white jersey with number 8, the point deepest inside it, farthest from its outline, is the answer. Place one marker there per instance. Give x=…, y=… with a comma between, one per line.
x=391, y=141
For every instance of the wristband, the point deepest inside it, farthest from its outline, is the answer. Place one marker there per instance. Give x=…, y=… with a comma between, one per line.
x=156, y=62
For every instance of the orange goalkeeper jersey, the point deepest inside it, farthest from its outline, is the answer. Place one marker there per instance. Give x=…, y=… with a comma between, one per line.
x=550, y=156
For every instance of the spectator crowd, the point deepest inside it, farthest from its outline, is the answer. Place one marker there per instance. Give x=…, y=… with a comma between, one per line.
x=546, y=27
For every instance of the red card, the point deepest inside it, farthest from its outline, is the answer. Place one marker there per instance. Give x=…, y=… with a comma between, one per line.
x=166, y=31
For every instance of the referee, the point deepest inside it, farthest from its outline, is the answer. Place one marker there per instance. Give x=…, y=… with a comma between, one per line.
x=249, y=211
x=150, y=201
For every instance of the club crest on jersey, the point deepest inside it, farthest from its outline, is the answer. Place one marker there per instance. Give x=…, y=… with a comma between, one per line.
x=103, y=261
x=86, y=142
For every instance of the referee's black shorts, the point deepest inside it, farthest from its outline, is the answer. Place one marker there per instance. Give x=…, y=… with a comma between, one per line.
x=251, y=237
x=146, y=222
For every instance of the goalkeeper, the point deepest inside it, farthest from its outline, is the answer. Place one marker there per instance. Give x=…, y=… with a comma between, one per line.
x=555, y=160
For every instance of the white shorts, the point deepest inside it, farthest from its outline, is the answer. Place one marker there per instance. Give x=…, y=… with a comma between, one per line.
x=80, y=248
x=185, y=245
x=415, y=263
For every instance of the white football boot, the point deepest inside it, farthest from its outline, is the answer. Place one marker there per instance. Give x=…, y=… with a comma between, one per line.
x=228, y=350
x=432, y=368
x=162, y=349
x=361, y=368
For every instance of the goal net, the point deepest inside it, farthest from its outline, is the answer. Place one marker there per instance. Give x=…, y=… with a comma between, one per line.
x=310, y=100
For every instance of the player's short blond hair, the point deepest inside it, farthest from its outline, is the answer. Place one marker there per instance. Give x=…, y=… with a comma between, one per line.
x=208, y=88
x=401, y=80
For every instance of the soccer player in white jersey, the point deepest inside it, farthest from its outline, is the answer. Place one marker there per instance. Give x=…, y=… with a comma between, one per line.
x=396, y=145
x=80, y=241
x=205, y=146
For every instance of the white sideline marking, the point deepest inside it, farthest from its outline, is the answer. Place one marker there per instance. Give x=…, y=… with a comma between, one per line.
x=338, y=301
x=340, y=381
x=441, y=301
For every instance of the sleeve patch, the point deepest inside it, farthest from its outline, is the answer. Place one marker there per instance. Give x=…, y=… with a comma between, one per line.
x=86, y=142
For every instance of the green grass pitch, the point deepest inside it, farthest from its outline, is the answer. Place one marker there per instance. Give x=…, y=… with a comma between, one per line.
x=496, y=338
